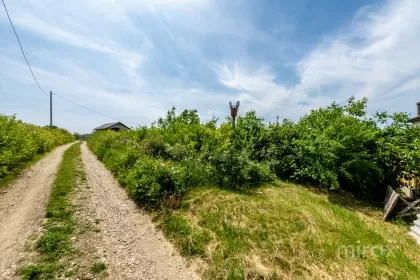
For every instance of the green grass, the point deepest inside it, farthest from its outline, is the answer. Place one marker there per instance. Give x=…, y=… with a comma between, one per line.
x=10, y=177
x=98, y=267
x=55, y=246
x=286, y=231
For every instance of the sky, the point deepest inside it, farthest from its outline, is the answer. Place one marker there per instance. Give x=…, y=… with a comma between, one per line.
x=134, y=60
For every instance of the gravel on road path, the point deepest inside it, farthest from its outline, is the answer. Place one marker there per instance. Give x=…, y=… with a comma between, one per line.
x=22, y=210
x=133, y=248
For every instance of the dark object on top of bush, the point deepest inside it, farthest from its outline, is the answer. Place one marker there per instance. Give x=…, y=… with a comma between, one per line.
x=336, y=147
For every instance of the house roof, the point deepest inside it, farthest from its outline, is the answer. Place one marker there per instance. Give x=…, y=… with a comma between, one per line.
x=415, y=119
x=108, y=125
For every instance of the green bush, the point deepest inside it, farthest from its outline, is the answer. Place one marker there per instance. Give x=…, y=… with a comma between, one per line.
x=339, y=147
x=153, y=145
x=20, y=142
x=151, y=181
x=336, y=147
x=234, y=169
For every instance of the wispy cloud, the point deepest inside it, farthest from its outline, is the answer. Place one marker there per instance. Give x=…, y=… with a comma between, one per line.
x=73, y=36
x=136, y=59
x=376, y=56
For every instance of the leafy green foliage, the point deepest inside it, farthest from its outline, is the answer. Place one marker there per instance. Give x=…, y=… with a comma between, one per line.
x=20, y=142
x=340, y=147
x=178, y=152
x=332, y=147
x=234, y=169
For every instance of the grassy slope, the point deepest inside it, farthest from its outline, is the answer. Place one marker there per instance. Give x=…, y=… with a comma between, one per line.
x=285, y=231
x=55, y=245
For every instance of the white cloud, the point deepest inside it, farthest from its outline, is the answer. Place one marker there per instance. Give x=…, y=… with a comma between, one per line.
x=258, y=90
x=52, y=32
x=80, y=25
x=89, y=88
x=55, y=33
x=373, y=57
x=376, y=56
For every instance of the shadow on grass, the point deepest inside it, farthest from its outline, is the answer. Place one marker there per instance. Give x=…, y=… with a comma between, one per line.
x=350, y=201
x=342, y=198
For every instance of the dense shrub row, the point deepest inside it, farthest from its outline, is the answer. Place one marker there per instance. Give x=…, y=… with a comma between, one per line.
x=333, y=147
x=20, y=142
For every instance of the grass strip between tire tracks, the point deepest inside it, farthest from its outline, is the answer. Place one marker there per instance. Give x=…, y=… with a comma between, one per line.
x=54, y=247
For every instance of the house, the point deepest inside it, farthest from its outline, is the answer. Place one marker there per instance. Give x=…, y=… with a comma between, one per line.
x=117, y=126
x=416, y=120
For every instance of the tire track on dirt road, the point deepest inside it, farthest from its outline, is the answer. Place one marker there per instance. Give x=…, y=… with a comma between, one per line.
x=22, y=210
x=133, y=248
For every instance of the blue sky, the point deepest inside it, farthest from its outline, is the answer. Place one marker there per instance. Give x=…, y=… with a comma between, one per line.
x=134, y=60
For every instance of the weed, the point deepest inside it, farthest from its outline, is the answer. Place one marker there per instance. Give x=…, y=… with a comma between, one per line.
x=98, y=267
x=32, y=272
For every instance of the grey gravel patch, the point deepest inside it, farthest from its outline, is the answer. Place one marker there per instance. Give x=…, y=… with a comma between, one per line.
x=22, y=211
x=132, y=246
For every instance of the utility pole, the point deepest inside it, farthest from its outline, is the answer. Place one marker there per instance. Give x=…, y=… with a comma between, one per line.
x=51, y=123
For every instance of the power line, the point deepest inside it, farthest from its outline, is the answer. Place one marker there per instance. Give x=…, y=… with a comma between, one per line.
x=30, y=68
x=86, y=107
x=21, y=48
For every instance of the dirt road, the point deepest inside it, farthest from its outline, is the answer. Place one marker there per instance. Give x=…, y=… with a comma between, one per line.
x=125, y=239
x=22, y=209
x=134, y=248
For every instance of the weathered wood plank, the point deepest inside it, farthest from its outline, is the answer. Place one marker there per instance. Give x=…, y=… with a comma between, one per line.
x=391, y=200
x=410, y=214
x=410, y=206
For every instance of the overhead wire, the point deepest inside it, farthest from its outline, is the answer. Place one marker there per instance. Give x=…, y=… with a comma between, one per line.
x=21, y=48
x=33, y=75
x=87, y=108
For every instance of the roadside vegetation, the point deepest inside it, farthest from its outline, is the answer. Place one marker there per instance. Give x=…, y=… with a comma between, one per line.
x=54, y=247
x=22, y=144
x=217, y=192
x=336, y=147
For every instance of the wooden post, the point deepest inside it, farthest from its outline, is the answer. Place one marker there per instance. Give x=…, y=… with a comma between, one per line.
x=51, y=118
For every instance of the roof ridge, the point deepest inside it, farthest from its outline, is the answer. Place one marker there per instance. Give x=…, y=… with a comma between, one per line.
x=107, y=125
